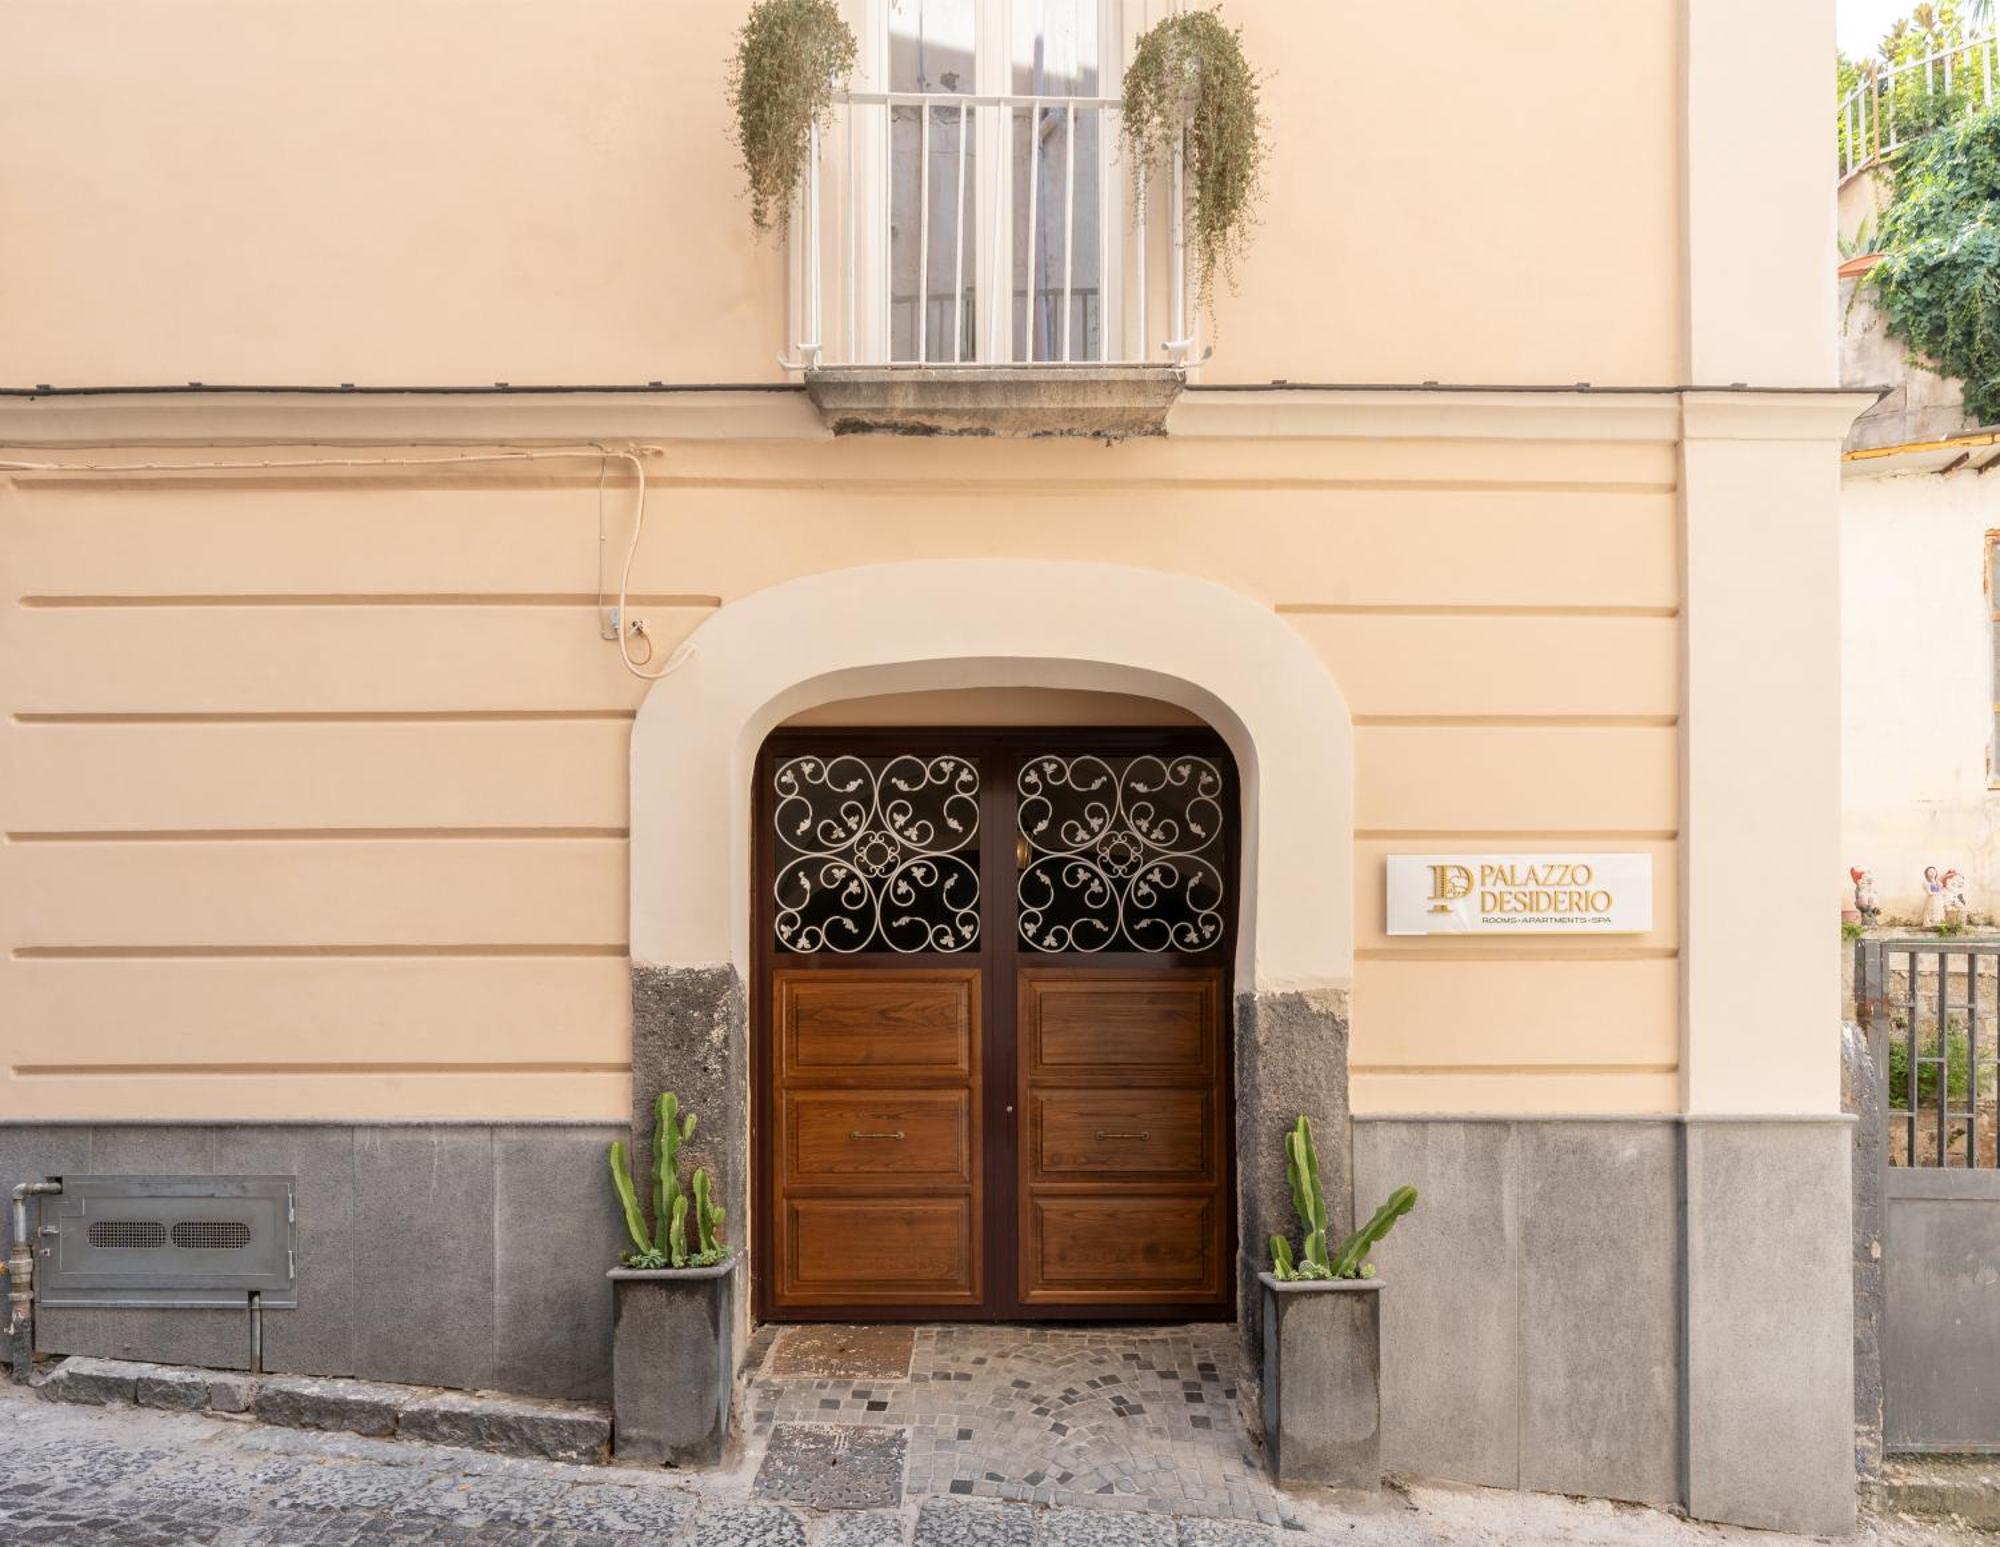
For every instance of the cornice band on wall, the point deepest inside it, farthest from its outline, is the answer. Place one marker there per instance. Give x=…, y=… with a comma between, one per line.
x=250, y=416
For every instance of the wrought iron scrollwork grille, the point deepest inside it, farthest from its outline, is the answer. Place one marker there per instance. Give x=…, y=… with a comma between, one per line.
x=876, y=854
x=1123, y=853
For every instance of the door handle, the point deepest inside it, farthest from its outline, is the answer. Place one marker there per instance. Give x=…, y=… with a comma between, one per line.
x=1114, y=1133
x=856, y=1133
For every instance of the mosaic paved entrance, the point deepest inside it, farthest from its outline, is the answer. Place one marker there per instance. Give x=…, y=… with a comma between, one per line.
x=1120, y=1418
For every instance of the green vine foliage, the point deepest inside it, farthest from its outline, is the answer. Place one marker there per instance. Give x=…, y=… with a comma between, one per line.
x=1188, y=77
x=1938, y=284
x=790, y=55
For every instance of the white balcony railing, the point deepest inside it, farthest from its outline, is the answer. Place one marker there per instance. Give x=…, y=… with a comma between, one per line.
x=950, y=230
x=1890, y=107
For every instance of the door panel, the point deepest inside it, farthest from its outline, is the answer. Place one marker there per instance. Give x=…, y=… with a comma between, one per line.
x=858, y=1135
x=881, y=1251
x=1089, y=1133
x=1120, y=1248
x=1122, y=1194
x=876, y=1137
x=992, y=1062
x=1084, y=1025
x=883, y=1027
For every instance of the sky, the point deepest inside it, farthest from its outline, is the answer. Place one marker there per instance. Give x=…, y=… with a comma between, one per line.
x=1862, y=22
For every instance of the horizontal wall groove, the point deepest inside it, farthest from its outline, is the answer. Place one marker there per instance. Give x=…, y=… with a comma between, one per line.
x=1515, y=835
x=1514, y=1069
x=1467, y=610
x=289, y=952
x=321, y=716
x=1517, y=721
x=206, y=482
x=374, y=599
x=1536, y=952
x=205, y=1070
x=314, y=834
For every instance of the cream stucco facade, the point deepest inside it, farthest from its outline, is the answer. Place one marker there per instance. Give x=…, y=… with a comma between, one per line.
x=327, y=801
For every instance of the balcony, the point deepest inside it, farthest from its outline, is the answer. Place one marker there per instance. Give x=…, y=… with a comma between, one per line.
x=939, y=287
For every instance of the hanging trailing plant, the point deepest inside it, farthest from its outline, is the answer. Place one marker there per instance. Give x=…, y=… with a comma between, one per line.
x=1938, y=283
x=1189, y=84
x=790, y=55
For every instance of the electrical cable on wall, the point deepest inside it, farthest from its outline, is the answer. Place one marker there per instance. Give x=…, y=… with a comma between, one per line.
x=632, y=457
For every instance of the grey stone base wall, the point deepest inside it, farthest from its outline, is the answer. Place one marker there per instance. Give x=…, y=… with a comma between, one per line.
x=1861, y=1093
x=469, y=1255
x=1657, y=1310
x=690, y=1035
x=1291, y=1061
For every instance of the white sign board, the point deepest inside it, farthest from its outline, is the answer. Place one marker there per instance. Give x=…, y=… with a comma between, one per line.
x=1520, y=894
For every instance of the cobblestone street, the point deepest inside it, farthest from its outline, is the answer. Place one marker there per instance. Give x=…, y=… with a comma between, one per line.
x=120, y=1476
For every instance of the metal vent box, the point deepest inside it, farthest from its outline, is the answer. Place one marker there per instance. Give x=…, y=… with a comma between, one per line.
x=151, y=1242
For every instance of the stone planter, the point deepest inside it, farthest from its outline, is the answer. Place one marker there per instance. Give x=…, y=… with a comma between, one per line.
x=671, y=1363
x=1322, y=1381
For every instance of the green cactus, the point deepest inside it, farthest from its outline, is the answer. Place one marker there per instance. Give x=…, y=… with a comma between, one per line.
x=1309, y=1199
x=670, y=1131
x=708, y=1216
x=665, y=1244
x=1352, y=1259
x=621, y=1178
x=1302, y=1171
x=677, y=1233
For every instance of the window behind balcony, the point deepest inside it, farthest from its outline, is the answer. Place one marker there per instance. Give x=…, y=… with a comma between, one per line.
x=1027, y=75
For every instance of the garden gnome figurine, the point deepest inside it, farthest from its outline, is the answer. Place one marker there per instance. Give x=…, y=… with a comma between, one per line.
x=1954, y=896
x=1933, y=898
x=1866, y=908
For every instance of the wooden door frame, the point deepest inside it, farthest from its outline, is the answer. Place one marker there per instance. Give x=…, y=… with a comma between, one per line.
x=996, y=751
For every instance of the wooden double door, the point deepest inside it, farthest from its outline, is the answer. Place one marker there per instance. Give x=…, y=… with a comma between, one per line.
x=992, y=1060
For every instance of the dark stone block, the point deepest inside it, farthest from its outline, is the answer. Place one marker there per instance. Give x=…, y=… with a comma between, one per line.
x=689, y=1036
x=1322, y=1382
x=423, y=1255
x=312, y=1402
x=1862, y=1079
x=1291, y=1061
x=1600, y=1348
x=171, y=1387
x=152, y=1149
x=510, y=1426
x=215, y=1339
x=557, y=1227
x=672, y=1364
x=317, y=1338
x=1451, y=1364
x=91, y=1382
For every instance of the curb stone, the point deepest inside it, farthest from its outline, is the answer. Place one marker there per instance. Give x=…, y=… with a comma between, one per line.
x=573, y=1432
x=510, y=1426
x=328, y=1402
x=92, y=1382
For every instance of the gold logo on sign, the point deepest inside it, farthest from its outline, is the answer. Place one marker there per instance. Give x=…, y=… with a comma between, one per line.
x=1448, y=883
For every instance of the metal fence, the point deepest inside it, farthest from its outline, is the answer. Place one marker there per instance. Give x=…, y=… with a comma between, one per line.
x=1016, y=219
x=1931, y=1010
x=1932, y=1007
x=1891, y=106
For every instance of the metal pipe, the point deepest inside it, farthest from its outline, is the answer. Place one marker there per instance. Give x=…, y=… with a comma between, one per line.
x=21, y=1279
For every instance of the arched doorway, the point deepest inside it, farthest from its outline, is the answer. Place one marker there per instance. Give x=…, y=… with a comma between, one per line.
x=990, y=1021
x=1002, y=624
